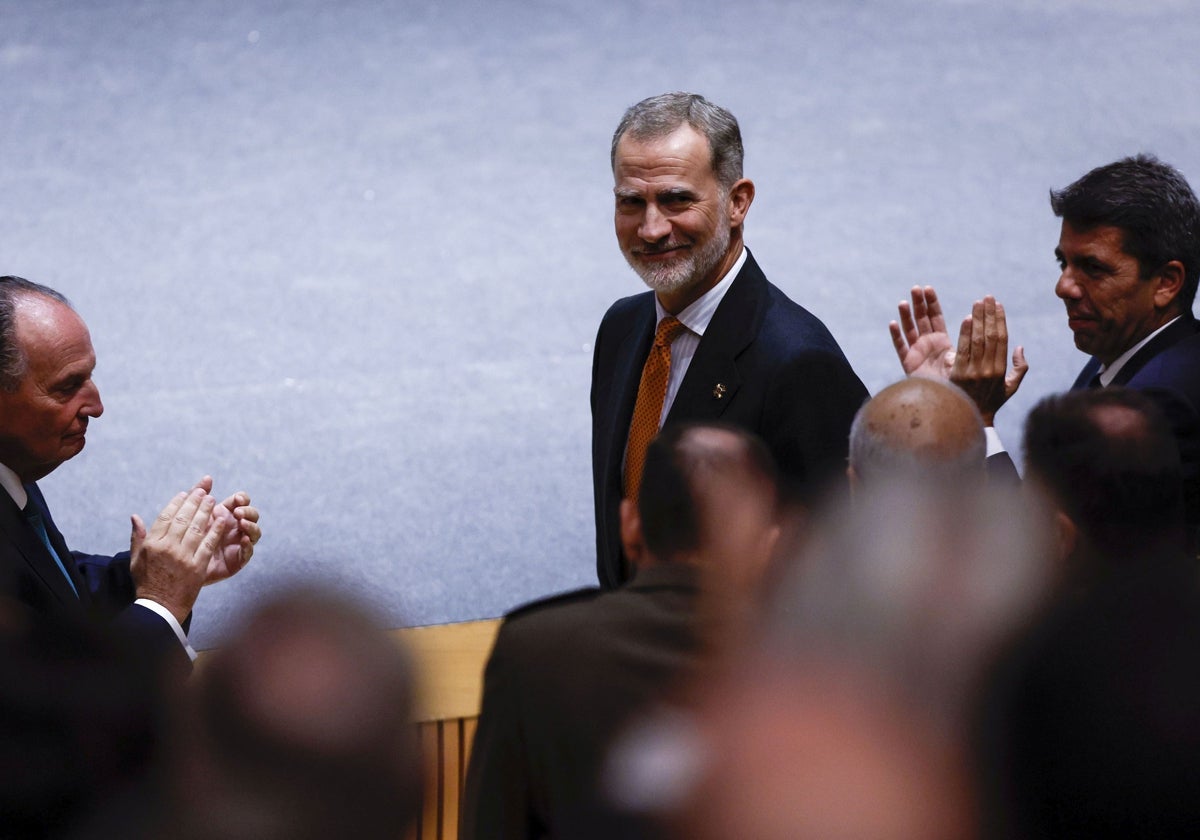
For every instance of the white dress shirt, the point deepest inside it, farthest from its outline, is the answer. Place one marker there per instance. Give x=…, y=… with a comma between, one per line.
x=696, y=317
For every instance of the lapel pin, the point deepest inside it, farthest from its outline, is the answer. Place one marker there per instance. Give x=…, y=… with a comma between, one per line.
x=718, y=391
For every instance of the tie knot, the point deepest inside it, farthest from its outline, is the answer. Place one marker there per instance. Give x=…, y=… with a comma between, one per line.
x=668, y=329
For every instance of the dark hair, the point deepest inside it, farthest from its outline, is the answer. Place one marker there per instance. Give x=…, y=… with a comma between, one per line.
x=13, y=362
x=660, y=115
x=1123, y=488
x=1151, y=203
x=669, y=500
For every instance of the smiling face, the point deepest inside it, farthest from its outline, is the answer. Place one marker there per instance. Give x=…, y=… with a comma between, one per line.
x=676, y=227
x=1110, y=307
x=44, y=421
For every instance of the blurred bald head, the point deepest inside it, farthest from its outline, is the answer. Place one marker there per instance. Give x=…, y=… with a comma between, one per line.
x=921, y=428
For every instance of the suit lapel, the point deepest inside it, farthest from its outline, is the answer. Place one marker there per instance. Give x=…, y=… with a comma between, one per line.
x=628, y=362
x=712, y=379
x=1087, y=374
x=28, y=545
x=1185, y=327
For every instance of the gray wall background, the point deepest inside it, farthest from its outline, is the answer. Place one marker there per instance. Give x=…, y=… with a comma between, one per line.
x=351, y=256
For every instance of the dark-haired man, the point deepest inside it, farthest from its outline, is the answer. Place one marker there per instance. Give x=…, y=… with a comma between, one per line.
x=1129, y=254
x=568, y=673
x=713, y=339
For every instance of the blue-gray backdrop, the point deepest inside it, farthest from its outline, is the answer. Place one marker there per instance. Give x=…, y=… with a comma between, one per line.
x=351, y=256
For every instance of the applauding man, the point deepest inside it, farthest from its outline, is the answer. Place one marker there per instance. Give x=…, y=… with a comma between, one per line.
x=47, y=398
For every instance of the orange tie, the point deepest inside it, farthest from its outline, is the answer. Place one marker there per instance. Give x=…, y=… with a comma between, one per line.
x=648, y=409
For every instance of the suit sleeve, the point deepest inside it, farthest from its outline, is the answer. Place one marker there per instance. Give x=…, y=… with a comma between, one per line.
x=110, y=582
x=807, y=422
x=497, y=800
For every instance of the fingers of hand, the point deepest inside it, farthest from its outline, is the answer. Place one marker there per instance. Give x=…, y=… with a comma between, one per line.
x=212, y=537
x=200, y=523
x=1000, y=330
x=920, y=308
x=898, y=341
x=162, y=523
x=906, y=322
x=250, y=529
x=1019, y=368
x=186, y=512
x=246, y=513
x=979, y=327
x=962, y=355
x=238, y=499
x=936, y=319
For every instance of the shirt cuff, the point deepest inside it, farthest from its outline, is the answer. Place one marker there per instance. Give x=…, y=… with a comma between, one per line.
x=994, y=445
x=165, y=613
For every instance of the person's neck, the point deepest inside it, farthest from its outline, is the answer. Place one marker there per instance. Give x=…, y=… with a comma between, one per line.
x=1156, y=324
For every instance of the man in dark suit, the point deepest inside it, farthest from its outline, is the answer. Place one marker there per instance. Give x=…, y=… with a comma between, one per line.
x=1129, y=253
x=713, y=339
x=47, y=397
x=568, y=673
x=1130, y=258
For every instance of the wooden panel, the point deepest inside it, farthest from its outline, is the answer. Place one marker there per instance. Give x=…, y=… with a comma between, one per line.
x=450, y=659
x=430, y=828
x=452, y=770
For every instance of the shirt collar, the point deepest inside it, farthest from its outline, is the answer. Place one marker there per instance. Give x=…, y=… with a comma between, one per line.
x=1109, y=372
x=697, y=315
x=10, y=482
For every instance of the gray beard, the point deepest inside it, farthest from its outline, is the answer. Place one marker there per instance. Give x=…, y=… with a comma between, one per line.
x=667, y=279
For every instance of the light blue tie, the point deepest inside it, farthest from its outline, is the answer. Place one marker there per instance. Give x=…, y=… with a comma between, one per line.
x=35, y=519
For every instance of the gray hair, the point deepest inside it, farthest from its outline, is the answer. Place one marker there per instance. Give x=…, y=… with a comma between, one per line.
x=660, y=115
x=13, y=361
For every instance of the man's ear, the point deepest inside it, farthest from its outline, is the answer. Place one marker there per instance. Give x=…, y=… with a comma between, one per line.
x=631, y=533
x=1066, y=535
x=1169, y=284
x=852, y=478
x=741, y=195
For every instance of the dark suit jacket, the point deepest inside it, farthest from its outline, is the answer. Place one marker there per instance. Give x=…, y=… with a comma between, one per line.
x=29, y=575
x=564, y=678
x=781, y=375
x=1168, y=371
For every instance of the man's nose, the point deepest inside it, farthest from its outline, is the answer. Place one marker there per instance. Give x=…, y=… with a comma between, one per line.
x=655, y=225
x=92, y=406
x=1066, y=287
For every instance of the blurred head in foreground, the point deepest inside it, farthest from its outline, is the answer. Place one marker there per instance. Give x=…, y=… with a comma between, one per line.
x=710, y=498
x=301, y=727
x=846, y=717
x=1089, y=727
x=1108, y=467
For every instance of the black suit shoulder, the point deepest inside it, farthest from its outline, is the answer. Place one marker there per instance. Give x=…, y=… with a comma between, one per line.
x=585, y=593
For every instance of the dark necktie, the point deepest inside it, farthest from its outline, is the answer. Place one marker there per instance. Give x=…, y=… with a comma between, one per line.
x=35, y=521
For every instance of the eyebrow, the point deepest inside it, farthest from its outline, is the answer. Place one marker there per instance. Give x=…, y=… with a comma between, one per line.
x=661, y=195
